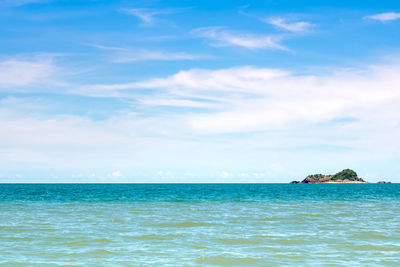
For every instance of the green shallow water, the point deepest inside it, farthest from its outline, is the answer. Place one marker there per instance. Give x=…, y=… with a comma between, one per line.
x=200, y=225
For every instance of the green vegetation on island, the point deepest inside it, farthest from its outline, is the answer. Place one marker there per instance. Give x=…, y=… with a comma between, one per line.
x=345, y=176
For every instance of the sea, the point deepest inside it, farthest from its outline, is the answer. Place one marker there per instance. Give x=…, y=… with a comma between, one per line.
x=199, y=225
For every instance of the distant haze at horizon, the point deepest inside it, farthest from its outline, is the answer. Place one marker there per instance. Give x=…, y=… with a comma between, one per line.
x=199, y=91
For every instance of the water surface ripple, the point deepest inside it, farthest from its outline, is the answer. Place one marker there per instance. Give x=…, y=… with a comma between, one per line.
x=199, y=224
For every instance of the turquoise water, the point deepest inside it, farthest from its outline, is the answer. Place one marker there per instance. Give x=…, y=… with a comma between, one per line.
x=199, y=224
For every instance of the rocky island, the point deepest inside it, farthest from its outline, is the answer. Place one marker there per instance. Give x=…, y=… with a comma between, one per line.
x=345, y=176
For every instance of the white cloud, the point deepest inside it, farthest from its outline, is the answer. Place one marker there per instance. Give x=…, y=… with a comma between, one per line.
x=165, y=175
x=16, y=3
x=176, y=103
x=148, y=15
x=191, y=84
x=384, y=17
x=247, y=99
x=224, y=175
x=258, y=176
x=18, y=73
x=283, y=23
x=132, y=56
x=278, y=101
x=125, y=55
x=246, y=177
x=222, y=37
x=69, y=131
x=26, y=105
x=116, y=174
x=251, y=113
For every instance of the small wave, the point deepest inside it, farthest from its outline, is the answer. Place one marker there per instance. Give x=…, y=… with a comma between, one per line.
x=154, y=237
x=77, y=243
x=223, y=260
x=368, y=247
x=14, y=229
x=311, y=215
x=185, y=224
x=199, y=247
x=290, y=241
x=85, y=242
x=150, y=237
x=273, y=249
x=97, y=252
x=279, y=255
x=238, y=241
x=343, y=214
x=372, y=247
x=264, y=236
x=102, y=240
x=370, y=235
x=16, y=264
x=271, y=218
x=17, y=238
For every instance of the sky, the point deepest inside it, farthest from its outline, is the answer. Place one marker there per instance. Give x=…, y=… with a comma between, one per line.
x=198, y=91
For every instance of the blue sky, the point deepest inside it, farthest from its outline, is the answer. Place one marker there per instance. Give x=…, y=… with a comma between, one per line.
x=198, y=91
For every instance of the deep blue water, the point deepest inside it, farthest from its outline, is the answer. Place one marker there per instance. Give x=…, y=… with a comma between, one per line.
x=196, y=192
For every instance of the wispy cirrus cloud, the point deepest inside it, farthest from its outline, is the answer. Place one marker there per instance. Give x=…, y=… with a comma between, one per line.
x=148, y=16
x=384, y=17
x=16, y=3
x=16, y=72
x=288, y=25
x=127, y=55
x=220, y=36
x=145, y=55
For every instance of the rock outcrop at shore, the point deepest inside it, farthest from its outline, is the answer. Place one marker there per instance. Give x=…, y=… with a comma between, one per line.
x=345, y=176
